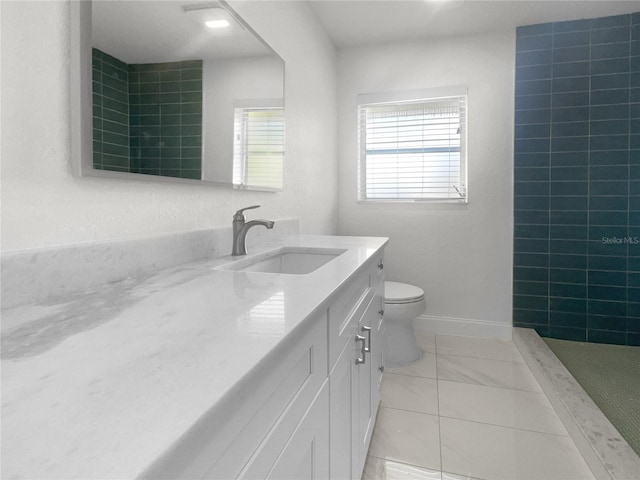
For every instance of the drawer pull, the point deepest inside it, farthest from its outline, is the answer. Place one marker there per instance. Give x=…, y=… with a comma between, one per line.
x=361, y=360
x=381, y=368
x=380, y=265
x=381, y=313
x=368, y=332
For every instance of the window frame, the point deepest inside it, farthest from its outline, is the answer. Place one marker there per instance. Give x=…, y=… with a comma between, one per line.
x=412, y=96
x=240, y=139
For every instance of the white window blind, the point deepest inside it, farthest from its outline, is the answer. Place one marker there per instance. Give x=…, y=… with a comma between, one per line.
x=413, y=150
x=258, y=150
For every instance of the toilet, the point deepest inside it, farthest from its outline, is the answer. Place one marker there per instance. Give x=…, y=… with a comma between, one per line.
x=402, y=303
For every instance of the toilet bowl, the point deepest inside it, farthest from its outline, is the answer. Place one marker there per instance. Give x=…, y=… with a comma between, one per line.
x=402, y=304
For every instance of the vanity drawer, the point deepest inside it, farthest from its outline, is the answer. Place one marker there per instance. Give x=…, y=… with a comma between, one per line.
x=282, y=387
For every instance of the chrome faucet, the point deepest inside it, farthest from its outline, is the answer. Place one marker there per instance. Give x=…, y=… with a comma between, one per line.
x=240, y=229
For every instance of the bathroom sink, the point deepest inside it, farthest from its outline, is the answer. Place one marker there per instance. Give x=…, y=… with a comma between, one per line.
x=286, y=260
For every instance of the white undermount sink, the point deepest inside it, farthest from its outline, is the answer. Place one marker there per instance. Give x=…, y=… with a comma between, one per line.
x=286, y=260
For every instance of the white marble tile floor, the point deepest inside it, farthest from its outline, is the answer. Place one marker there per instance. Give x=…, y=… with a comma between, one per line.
x=470, y=409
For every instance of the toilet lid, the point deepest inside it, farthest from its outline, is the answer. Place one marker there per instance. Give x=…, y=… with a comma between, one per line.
x=395, y=292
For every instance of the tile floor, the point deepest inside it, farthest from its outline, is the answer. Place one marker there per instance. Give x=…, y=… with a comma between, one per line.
x=471, y=409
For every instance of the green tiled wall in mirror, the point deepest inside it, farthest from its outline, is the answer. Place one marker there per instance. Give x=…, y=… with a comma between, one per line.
x=148, y=117
x=110, y=113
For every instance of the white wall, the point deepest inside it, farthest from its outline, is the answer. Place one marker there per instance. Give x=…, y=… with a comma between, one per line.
x=44, y=205
x=459, y=254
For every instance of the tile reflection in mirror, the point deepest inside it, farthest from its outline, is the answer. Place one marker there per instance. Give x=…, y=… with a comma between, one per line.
x=147, y=118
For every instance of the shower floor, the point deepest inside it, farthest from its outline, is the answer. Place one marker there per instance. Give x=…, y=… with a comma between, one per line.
x=610, y=374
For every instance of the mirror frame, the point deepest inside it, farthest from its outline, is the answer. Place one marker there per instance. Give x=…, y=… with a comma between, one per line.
x=81, y=101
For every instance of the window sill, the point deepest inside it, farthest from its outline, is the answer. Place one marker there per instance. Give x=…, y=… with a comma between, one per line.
x=415, y=202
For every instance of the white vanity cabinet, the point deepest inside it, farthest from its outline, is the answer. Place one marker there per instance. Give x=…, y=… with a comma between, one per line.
x=309, y=410
x=332, y=437
x=354, y=380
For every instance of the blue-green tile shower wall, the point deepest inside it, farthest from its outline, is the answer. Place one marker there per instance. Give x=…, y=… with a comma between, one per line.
x=110, y=112
x=147, y=118
x=165, y=105
x=577, y=180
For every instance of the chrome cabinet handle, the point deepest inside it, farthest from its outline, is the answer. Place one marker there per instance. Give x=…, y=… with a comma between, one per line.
x=360, y=360
x=380, y=264
x=368, y=332
x=381, y=368
x=381, y=313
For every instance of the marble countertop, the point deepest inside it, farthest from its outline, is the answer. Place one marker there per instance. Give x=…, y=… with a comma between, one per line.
x=101, y=384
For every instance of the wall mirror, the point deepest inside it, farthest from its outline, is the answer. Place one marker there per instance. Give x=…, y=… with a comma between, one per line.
x=181, y=91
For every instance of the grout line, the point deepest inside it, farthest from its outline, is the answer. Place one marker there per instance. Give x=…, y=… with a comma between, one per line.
x=496, y=388
x=491, y=386
x=435, y=344
x=410, y=376
x=408, y=411
x=448, y=354
x=439, y=427
x=550, y=167
x=565, y=435
x=588, y=226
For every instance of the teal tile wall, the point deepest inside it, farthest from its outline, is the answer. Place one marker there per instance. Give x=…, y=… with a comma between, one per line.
x=577, y=180
x=147, y=118
x=165, y=105
x=110, y=112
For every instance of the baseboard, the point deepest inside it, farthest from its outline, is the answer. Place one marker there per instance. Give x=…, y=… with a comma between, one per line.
x=466, y=327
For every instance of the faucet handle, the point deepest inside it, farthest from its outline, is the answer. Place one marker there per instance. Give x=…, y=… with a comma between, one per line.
x=239, y=212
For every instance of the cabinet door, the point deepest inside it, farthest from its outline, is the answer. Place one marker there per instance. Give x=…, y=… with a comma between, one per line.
x=377, y=350
x=365, y=385
x=306, y=454
x=341, y=405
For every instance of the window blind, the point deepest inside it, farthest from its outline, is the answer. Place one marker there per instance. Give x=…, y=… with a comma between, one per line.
x=413, y=150
x=258, y=151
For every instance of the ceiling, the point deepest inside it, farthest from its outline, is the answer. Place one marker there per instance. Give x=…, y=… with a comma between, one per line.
x=151, y=31
x=159, y=30
x=358, y=22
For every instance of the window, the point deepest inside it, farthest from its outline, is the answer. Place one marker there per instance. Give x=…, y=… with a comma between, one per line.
x=412, y=150
x=265, y=319
x=258, y=150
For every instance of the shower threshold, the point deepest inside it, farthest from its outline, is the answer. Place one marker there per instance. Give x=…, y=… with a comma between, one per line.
x=606, y=452
x=610, y=374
